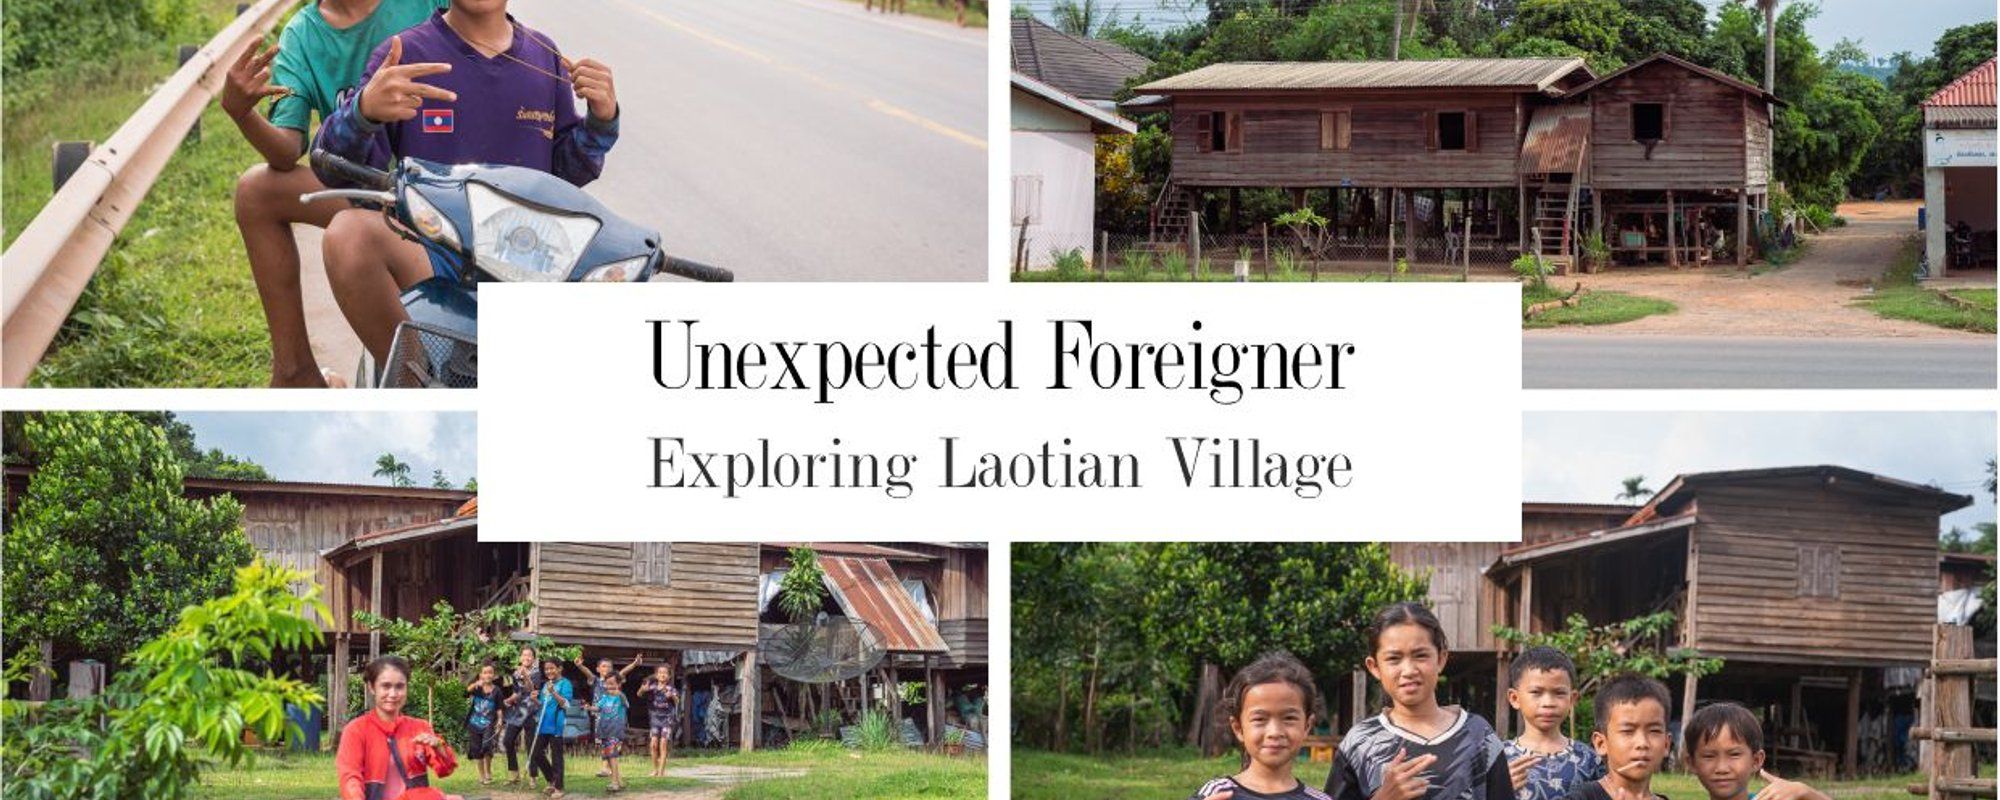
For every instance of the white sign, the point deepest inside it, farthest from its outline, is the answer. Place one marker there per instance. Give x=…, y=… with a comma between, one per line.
x=1961, y=148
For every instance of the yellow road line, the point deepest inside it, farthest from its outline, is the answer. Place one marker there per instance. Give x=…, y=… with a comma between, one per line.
x=873, y=104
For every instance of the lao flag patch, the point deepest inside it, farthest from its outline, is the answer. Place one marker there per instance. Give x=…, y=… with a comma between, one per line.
x=438, y=120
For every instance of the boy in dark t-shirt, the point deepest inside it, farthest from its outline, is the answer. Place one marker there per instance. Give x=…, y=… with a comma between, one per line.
x=482, y=720
x=468, y=85
x=1631, y=735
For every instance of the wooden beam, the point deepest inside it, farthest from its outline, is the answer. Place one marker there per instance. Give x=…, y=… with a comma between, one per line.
x=1954, y=735
x=336, y=712
x=1688, y=691
x=1358, y=693
x=1528, y=625
x=375, y=603
x=1673, y=236
x=1952, y=695
x=749, y=687
x=1742, y=228
x=1850, y=751
x=934, y=682
x=1503, y=716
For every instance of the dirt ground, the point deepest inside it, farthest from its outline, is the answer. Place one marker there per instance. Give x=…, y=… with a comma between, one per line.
x=1808, y=298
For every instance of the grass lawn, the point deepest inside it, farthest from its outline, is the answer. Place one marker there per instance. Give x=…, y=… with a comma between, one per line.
x=173, y=303
x=830, y=773
x=1900, y=296
x=1596, y=308
x=1174, y=774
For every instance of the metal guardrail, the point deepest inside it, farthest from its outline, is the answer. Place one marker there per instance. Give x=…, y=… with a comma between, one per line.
x=55, y=256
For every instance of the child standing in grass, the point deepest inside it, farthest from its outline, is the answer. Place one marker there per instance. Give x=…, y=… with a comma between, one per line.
x=598, y=681
x=1631, y=736
x=1270, y=707
x=1725, y=747
x=1416, y=749
x=482, y=720
x=663, y=716
x=1543, y=763
x=610, y=733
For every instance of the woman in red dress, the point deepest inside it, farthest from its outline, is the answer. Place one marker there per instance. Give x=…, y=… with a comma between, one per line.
x=385, y=755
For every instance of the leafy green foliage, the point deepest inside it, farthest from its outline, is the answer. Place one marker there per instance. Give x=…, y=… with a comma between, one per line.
x=182, y=703
x=1638, y=645
x=104, y=551
x=393, y=469
x=803, y=591
x=876, y=730
x=445, y=651
x=1070, y=264
x=1112, y=634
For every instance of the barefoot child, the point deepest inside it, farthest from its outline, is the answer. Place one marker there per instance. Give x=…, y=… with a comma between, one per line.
x=663, y=716
x=482, y=721
x=610, y=732
x=1543, y=763
x=1416, y=749
x=1631, y=737
x=1725, y=747
x=523, y=713
x=1269, y=705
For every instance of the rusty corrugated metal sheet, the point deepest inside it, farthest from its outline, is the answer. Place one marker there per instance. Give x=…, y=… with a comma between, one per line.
x=1974, y=88
x=1960, y=116
x=1557, y=138
x=868, y=590
x=1528, y=74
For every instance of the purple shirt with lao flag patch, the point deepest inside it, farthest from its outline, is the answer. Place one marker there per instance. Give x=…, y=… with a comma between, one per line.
x=516, y=109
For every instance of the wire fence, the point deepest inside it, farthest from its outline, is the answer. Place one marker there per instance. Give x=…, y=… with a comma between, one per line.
x=1272, y=255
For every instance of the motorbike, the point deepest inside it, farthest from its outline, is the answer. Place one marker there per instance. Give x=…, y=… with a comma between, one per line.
x=485, y=222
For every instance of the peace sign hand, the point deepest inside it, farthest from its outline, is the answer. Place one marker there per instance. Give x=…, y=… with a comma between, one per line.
x=1405, y=780
x=393, y=93
x=249, y=80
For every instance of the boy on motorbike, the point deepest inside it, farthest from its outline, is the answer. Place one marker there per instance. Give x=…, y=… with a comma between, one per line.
x=469, y=85
x=320, y=53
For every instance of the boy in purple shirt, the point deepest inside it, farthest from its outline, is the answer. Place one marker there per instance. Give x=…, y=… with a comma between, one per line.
x=469, y=85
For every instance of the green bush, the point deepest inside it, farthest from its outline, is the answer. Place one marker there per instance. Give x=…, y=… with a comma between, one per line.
x=66, y=34
x=1134, y=264
x=1175, y=263
x=1532, y=269
x=877, y=731
x=1070, y=264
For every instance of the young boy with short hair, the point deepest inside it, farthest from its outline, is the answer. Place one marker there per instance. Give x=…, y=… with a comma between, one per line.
x=468, y=85
x=1545, y=764
x=1631, y=738
x=1725, y=747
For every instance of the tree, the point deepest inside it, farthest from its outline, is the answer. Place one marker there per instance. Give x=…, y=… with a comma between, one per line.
x=1634, y=489
x=439, y=481
x=1076, y=17
x=398, y=473
x=472, y=484
x=182, y=704
x=104, y=549
x=199, y=463
x=802, y=592
x=1596, y=28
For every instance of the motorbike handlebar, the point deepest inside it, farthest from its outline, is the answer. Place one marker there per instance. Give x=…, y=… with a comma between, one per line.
x=695, y=270
x=323, y=161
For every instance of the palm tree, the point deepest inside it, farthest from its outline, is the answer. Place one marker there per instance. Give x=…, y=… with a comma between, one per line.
x=1076, y=17
x=398, y=473
x=1634, y=489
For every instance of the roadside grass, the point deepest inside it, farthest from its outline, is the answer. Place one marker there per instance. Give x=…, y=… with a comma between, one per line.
x=830, y=772
x=1223, y=275
x=1596, y=308
x=1040, y=775
x=1898, y=295
x=975, y=12
x=173, y=303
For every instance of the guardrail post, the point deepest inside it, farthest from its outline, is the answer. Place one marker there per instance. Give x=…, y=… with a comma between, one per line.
x=68, y=157
x=242, y=7
x=188, y=52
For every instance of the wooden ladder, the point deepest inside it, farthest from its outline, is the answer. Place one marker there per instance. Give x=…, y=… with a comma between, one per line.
x=1170, y=213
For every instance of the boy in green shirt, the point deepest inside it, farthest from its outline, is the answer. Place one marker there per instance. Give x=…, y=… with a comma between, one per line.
x=320, y=54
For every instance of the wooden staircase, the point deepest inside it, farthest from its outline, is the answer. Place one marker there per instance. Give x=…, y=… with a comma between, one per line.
x=1554, y=225
x=1170, y=213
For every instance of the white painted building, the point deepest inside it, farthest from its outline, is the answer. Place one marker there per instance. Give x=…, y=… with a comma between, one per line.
x=1054, y=207
x=1960, y=159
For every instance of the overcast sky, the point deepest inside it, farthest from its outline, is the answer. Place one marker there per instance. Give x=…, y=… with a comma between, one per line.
x=1882, y=27
x=341, y=447
x=1582, y=456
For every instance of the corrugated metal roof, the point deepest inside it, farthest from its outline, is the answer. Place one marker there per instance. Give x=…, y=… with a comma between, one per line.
x=1533, y=74
x=1557, y=138
x=1088, y=68
x=1959, y=116
x=853, y=549
x=1974, y=88
x=1101, y=121
x=868, y=590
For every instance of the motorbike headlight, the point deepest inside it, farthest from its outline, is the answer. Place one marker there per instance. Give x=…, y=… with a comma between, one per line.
x=425, y=218
x=618, y=271
x=516, y=242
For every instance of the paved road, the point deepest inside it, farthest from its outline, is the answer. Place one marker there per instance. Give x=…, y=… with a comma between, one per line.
x=792, y=139
x=1577, y=361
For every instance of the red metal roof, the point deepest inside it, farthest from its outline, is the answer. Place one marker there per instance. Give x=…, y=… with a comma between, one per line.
x=1974, y=88
x=1557, y=138
x=867, y=590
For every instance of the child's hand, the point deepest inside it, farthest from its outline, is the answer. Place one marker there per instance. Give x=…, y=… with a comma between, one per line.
x=1777, y=788
x=591, y=80
x=249, y=80
x=1517, y=770
x=1405, y=780
x=393, y=93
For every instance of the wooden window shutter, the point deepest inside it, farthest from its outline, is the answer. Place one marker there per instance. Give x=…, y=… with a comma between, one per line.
x=1204, y=131
x=1327, y=130
x=1430, y=130
x=1829, y=571
x=1472, y=131
x=1345, y=139
x=1234, y=141
x=1666, y=121
x=651, y=562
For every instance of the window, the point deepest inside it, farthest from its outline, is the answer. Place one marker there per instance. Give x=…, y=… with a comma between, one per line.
x=1819, y=570
x=650, y=562
x=1452, y=130
x=1649, y=122
x=1336, y=129
x=1027, y=200
x=1218, y=132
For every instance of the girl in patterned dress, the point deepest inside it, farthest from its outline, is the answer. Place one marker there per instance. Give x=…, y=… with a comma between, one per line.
x=1270, y=706
x=663, y=716
x=610, y=733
